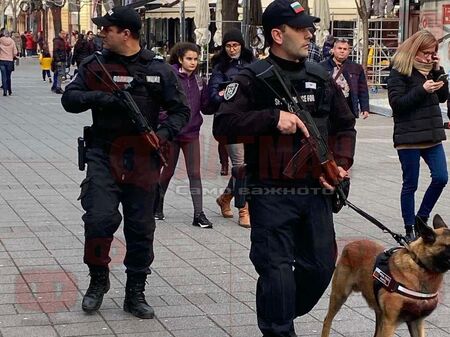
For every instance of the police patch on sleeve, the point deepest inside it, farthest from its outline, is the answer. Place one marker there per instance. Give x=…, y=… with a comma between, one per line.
x=230, y=91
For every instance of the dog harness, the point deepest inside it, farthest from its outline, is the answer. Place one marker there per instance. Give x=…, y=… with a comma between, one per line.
x=384, y=279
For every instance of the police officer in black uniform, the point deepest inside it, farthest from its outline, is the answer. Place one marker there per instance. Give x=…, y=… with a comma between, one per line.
x=121, y=166
x=293, y=244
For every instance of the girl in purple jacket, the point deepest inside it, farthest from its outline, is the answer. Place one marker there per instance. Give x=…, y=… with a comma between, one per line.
x=184, y=59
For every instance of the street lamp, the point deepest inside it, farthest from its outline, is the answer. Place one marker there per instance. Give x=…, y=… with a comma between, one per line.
x=182, y=21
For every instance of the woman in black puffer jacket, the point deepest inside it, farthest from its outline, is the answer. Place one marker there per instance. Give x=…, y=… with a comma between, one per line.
x=415, y=90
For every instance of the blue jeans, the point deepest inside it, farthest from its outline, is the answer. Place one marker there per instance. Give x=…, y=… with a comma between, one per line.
x=6, y=68
x=410, y=160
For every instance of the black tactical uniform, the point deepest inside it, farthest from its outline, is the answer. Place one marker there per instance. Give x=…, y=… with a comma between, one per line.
x=293, y=241
x=293, y=244
x=121, y=168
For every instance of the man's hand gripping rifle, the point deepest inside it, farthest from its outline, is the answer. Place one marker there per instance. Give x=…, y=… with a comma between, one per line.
x=135, y=115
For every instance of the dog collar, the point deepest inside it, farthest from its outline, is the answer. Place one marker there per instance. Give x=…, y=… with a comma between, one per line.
x=384, y=279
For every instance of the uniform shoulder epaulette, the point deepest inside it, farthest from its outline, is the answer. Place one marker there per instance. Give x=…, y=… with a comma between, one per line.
x=259, y=67
x=317, y=70
x=146, y=56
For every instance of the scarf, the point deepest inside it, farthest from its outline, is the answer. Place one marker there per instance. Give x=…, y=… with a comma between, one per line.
x=423, y=68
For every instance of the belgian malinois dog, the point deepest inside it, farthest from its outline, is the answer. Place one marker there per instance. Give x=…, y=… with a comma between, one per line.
x=418, y=268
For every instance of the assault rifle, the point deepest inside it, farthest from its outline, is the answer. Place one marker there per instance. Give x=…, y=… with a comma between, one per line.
x=135, y=114
x=313, y=145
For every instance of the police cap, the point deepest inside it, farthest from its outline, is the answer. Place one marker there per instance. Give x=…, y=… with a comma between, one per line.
x=289, y=12
x=122, y=16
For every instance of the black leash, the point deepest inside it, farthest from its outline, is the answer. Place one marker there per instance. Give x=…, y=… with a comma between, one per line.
x=401, y=240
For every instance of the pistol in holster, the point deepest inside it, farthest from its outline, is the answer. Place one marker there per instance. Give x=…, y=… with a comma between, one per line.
x=83, y=144
x=239, y=173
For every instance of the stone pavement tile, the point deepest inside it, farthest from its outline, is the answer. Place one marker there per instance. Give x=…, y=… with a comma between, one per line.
x=136, y=326
x=224, y=309
x=201, y=332
x=73, y=317
x=190, y=322
x=232, y=320
x=353, y=326
x=29, y=331
x=244, y=331
x=7, y=309
x=209, y=261
x=199, y=299
x=198, y=289
x=39, y=261
x=223, y=297
x=145, y=334
x=22, y=244
x=115, y=314
x=187, y=280
x=178, y=311
x=37, y=319
x=83, y=329
x=176, y=271
x=175, y=300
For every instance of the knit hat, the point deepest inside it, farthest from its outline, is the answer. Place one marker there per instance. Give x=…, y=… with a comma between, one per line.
x=233, y=35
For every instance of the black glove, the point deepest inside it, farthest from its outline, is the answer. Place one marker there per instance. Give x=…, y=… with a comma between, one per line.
x=101, y=99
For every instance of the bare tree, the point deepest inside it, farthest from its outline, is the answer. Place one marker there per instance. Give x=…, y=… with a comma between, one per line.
x=364, y=14
x=56, y=14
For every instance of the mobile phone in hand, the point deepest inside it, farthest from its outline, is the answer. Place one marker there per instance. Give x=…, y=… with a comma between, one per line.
x=442, y=77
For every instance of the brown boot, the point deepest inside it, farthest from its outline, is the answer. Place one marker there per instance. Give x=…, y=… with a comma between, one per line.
x=224, y=203
x=244, y=217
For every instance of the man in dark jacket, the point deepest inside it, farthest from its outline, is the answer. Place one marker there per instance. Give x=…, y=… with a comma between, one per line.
x=59, y=61
x=350, y=77
x=123, y=168
x=293, y=244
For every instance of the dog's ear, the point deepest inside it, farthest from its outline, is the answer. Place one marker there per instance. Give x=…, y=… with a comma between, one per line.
x=438, y=222
x=426, y=233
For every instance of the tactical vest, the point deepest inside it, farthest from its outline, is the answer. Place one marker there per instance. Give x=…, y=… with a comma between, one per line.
x=142, y=77
x=312, y=86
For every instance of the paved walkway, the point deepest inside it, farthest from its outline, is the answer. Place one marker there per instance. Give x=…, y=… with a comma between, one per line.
x=203, y=284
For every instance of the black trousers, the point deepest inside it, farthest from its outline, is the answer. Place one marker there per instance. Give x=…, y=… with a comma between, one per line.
x=125, y=177
x=293, y=250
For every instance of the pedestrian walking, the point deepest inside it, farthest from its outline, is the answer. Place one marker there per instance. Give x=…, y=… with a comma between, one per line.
x=8, y=52
x=122, y=168
x=293, y=244
x=350, y=77
x=184, y=59
x=60, y=54
x=29, y=43
x=416, y=85
x=45, y=60
x=232, y=58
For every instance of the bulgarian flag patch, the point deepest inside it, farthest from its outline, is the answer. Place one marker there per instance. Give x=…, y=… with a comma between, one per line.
x=297, y=7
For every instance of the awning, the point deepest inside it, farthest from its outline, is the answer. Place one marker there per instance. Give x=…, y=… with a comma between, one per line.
x=173, y=11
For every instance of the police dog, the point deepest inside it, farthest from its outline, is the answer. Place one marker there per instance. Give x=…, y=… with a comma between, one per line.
x=419, y=268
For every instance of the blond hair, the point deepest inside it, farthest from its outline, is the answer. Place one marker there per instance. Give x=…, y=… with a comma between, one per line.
x=403, y=59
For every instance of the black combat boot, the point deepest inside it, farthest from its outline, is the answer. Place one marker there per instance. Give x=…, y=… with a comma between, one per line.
x=98, y=286
x=135, y=302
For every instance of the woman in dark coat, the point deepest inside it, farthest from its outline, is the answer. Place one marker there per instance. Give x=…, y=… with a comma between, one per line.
x=415, y=89
x=226, y=65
